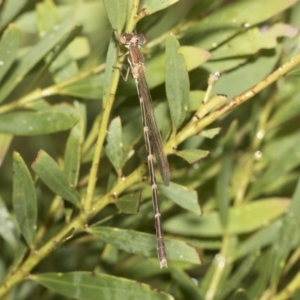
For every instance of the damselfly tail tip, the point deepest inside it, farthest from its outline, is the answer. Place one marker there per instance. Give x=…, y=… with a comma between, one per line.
x=163, y=263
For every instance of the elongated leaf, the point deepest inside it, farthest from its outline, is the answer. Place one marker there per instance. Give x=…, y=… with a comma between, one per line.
x=8, y=227
x=286, y=236
x=5, y=141
x=73, y=152
x=63, y=67
x=183, y=197
x=225, y=22
x=129, y=204
x=188, y=287
x=151, y=6
x=245, y=76
x=192, y=155
x=111, y=58
x=24, y=199
x=91, y=286
x=195, y=99
x=10, y=10
x=88, y=88
x=193, y=56
x=145, y=244
x=223, y=179
x=258, y=240
x=114, y=146
x=253, y=40
x=117, y=13
x=210, y=133
x=35, y=54
x=9, y=47
x=177, y=82
x=54, y=178
x=34, y=123
x=243, y=219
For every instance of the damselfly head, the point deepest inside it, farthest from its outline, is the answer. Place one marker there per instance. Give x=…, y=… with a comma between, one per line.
x=132, y=38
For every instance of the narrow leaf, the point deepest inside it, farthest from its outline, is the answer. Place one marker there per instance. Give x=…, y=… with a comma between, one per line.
x=188, y=287
x=88, y=88
x=210, y=133
x=114, y=146
x=151, y=6
x=242, y=219
x=8, y=227
x=223, y=178
x=5, y=142
x=194, y=56
x=111, y=58
x=35, y=54
x=182, y=196
x=9, y=47
x=177, y=82
x=129, y=204
x=24, y=199
x=117, y=13
x=145, y=244
x=73, y=153
x=91, y=286
x=10, y=10
x=63, y=67
x=192, y=155
x=35, y=123
x=54, y=178
x=286, y=237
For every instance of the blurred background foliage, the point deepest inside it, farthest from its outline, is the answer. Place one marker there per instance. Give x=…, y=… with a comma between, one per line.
x=231, y=215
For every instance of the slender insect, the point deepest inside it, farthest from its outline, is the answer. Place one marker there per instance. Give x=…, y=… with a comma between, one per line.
x=153, y=141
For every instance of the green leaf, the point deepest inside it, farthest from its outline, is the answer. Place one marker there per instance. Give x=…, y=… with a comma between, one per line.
x=192, y=155
x=244, y=76
x=224, y=23
x=5, y=142
x=34, y=55
x=54, y=178
x=195, y=99
x=10, y=10
x=8, y=230
x=239, y=274
x=114, y=146
x=242, y=219
x=145, y=244
x=281, y=155
x=63, y=67
x=117, y=13
x=111, y=58
x=24, y=199
x=254, y=39
x=72, y=154
x=188, y=287
x=182, y=196
x=287, y=234
x=35, y=123
x=129, y=204
x=151, y=6
x=193, y=56
x=93, y=286
x=177, y=82
x=9, y=47
x=210, y=133
x=88, y=88
x=258, y=240
x=224, y=176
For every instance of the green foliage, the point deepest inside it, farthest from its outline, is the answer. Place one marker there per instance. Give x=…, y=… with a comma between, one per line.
x=74, y=198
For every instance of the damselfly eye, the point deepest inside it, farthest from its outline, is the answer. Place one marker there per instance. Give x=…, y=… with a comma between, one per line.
x=141, y=39
x=125, y=38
